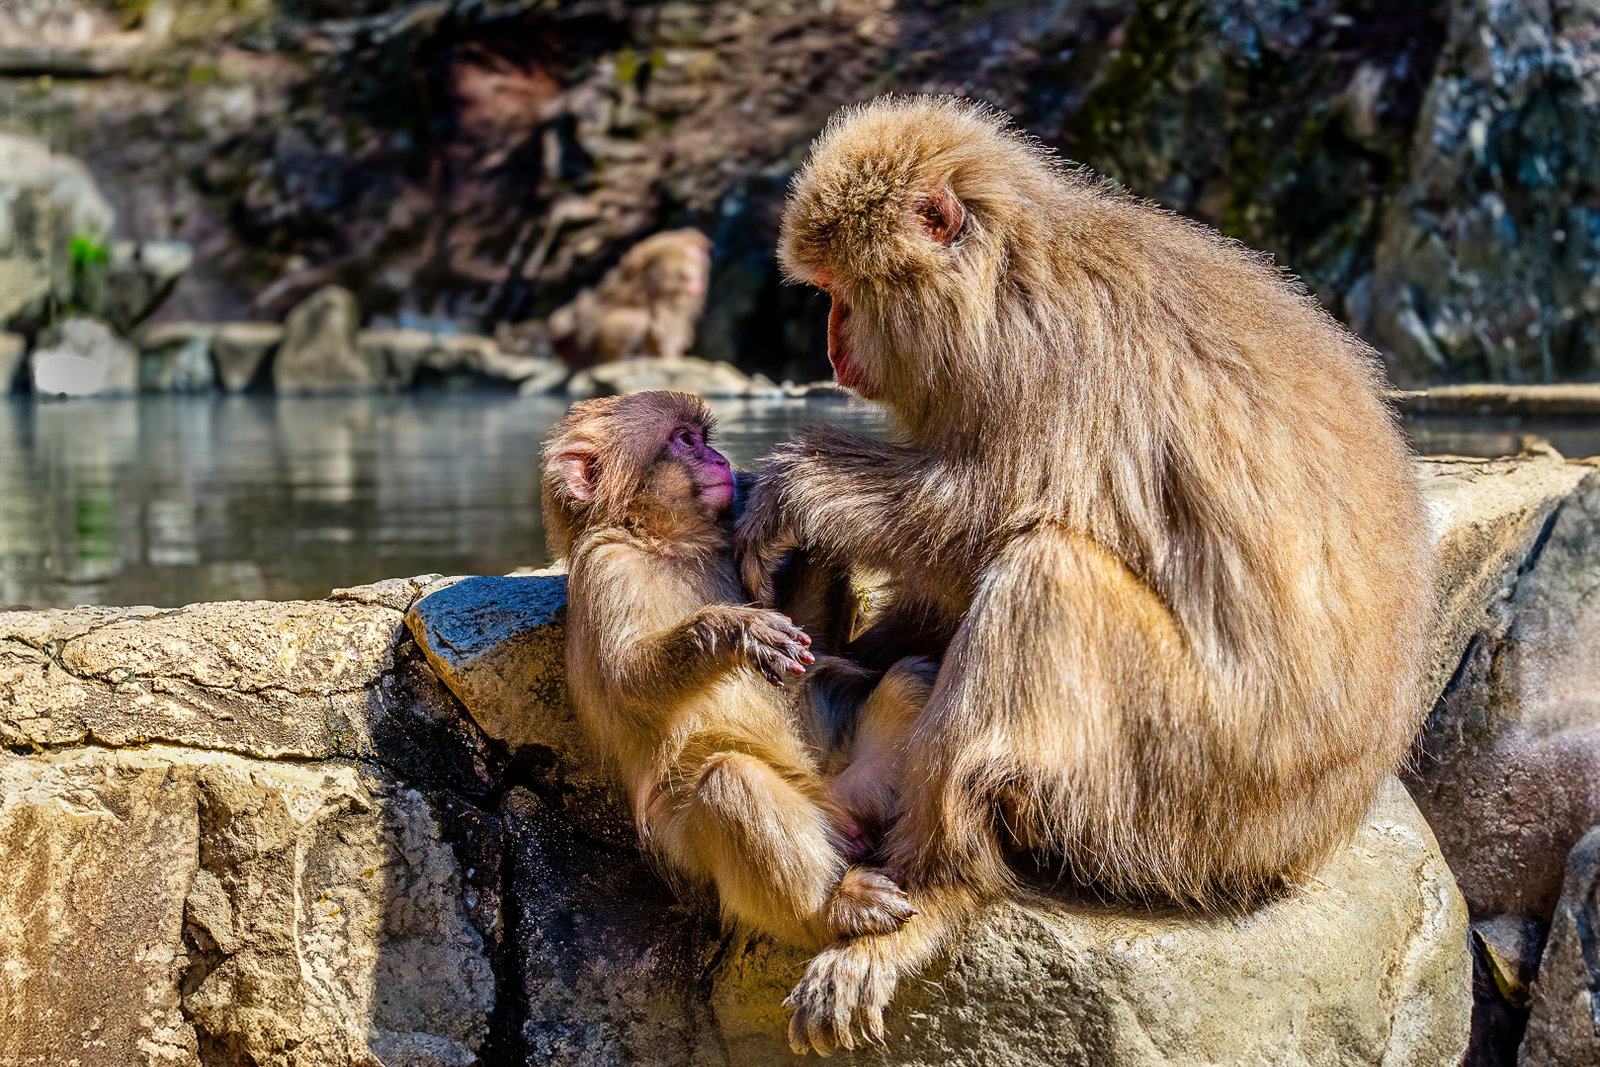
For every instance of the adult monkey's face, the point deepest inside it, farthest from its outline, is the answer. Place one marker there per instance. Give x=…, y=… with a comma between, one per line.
x=876, y=220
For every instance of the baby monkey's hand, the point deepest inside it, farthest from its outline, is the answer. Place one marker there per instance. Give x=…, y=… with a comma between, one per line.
x=770, y=642
x=766, y=640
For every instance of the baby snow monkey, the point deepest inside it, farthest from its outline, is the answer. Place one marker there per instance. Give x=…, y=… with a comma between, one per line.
x=679, y=683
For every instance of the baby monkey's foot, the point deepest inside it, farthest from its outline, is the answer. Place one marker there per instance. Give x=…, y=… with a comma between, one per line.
x=867, y=901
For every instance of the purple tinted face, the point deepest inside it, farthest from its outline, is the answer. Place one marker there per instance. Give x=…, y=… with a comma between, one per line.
x=712, y=474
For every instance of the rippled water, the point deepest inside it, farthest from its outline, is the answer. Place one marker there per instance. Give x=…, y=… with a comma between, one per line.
x=168, y=501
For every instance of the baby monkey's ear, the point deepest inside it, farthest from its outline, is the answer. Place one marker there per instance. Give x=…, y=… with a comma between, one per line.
x=941, y=216
x=580, y=473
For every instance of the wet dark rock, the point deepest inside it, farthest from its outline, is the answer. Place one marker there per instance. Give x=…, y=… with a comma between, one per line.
x=1561, y=1027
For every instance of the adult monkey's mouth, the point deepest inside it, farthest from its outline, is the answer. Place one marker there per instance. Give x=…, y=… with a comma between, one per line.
x=845, y=371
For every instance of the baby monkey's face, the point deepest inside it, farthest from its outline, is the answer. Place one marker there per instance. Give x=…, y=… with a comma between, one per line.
x=709, y=473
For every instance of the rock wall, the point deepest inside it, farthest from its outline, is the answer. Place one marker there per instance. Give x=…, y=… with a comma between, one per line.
x=1427, y=167
x=269, y=834
x=364, y=830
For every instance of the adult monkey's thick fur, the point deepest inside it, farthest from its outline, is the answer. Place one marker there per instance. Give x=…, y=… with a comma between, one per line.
x=1153, y=495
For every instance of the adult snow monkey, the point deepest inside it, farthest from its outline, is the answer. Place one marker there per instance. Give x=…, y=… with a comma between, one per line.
x=1148, y=490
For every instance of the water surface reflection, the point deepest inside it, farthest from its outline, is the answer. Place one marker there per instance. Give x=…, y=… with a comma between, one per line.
x=171, y=500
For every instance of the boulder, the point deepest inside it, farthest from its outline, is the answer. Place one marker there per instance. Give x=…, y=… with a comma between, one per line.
x=540, y=376
x=242, y=353
x=499, y=644
x=395, y=355
x=404, y=358
x=530, y=375
x=1487, y=516
x=1292, y=983
x=689, y=373
x=1508, y=771
x=1031, y=984
x=13, y=346
x=319, y=352
x=53, y=217
x=176, y=358
x=245, y=840
x=1562, y=1028
x=268, y=912
x=139, y=276
x=86, y=359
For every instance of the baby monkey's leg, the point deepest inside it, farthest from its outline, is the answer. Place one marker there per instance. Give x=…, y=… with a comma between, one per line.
x=869, y=787
x=775, y=857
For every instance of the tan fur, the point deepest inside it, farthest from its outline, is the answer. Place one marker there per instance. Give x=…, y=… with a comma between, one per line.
x=725, y=789
x=1151, y=494
x=647, y=305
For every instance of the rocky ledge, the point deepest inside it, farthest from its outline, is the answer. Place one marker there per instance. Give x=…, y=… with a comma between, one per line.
x=364, y=830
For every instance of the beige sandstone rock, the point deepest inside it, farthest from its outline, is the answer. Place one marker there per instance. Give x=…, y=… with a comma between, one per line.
x=169, y=906
x=225, y=676
x=1367, y=965
x=689, y=373
x=319, y=352
x=1487, y=515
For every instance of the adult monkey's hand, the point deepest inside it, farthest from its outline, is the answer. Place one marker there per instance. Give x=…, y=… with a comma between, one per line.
x=765, y=534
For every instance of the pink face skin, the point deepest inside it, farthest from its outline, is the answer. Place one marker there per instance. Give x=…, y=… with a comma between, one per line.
x=710, y=469
x=845, y=371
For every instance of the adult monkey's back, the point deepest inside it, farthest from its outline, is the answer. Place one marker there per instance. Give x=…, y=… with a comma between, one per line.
x=1152, y=491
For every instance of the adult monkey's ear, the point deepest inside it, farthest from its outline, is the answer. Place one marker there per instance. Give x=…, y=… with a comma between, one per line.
x=580, y=470
x=941, y=216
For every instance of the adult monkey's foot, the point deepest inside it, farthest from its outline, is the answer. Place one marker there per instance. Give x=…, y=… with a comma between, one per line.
x=840, y=1000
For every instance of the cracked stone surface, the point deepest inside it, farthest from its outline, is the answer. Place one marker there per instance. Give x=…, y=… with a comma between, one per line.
x=364, y=831
x=1509, y=767
x=1561, y=1029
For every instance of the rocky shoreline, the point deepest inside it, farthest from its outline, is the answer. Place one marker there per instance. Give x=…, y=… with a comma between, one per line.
x=320, y=350
x=364, y=829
